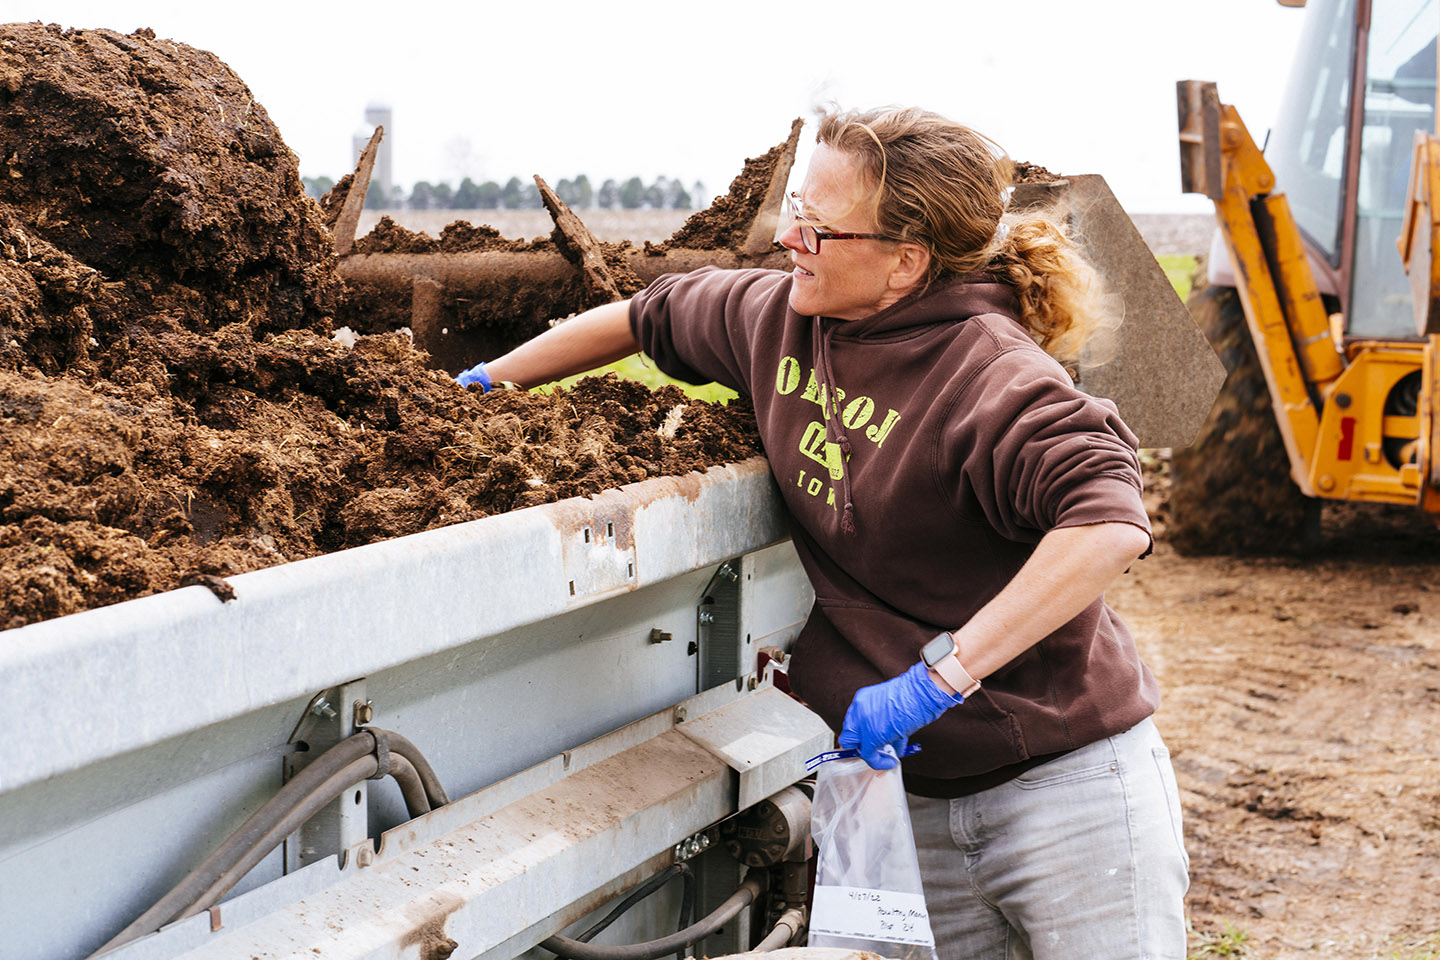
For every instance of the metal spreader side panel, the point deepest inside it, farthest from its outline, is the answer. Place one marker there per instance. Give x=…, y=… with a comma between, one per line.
x=146, y=732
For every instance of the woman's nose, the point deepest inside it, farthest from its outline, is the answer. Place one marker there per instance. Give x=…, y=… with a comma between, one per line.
x=790, y=237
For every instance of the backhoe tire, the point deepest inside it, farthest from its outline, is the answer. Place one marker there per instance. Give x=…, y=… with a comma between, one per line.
x=1230, y=491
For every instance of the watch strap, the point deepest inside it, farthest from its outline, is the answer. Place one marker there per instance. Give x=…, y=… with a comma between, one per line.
x=955, y=674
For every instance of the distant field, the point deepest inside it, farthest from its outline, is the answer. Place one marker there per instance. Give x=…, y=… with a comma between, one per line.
x=1177, y=233
x=1178, y=268
x=1182, y=234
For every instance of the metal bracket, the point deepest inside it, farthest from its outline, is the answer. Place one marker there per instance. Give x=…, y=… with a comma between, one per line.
x=763, y=737
x=717, y=620
x=319, y=708
x=344, y=823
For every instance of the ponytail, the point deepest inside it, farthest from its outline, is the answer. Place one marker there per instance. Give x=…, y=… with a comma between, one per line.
x=945, y=186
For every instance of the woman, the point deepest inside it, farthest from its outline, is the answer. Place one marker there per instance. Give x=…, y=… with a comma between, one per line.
x=960, y=508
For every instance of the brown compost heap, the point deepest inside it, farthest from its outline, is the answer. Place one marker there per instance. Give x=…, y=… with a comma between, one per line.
x=172, y=401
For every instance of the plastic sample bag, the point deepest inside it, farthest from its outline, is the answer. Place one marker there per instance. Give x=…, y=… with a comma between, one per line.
x=868, y=894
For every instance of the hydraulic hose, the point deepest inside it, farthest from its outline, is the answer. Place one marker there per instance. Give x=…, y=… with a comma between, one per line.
x=412, y=787
x=791, y=922
x=645, y=889
x=333, y=772
x=315, y=801
x=400, y=744
x=655, y=949
x=311, y=804
x=687, y=907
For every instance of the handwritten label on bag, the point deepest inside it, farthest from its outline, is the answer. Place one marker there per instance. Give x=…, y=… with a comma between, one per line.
x=871, y=915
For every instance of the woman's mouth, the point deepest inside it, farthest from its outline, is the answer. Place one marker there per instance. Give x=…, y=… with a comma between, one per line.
x=802, y=272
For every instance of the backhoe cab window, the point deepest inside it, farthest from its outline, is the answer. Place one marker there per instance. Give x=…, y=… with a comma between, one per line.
x=1399, y=100
x=1306, y=148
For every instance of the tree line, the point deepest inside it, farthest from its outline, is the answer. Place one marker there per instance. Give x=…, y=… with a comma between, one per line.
x=516, y=194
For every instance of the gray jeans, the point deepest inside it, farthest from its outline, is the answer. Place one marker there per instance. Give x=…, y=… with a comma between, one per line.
x=1079, y=857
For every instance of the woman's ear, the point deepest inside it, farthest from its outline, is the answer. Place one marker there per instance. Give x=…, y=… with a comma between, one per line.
x=911, y=266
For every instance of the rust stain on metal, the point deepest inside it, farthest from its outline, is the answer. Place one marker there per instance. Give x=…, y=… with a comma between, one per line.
x=429, y=933
x=692, y=486
x=596, y=522
x=610, y=515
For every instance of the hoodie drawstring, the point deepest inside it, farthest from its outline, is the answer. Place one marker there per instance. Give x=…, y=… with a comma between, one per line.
x=822, y=340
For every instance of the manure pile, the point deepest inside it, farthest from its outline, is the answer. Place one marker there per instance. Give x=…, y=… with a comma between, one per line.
x=172, y=401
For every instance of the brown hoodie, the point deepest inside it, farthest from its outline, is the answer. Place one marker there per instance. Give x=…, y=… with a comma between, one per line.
x=922, y=453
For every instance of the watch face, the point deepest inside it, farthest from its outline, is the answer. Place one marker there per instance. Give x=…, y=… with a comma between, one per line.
x=937, y=649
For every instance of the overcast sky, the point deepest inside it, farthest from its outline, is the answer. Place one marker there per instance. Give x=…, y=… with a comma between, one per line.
x=493, y=90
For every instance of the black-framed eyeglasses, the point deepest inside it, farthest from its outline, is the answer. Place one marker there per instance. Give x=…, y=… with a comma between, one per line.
x=811, y=235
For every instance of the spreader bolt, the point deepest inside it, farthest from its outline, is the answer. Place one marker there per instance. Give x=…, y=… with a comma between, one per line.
x=692, y=846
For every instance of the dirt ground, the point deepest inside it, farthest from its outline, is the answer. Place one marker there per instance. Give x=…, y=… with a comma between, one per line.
x=1301, y=701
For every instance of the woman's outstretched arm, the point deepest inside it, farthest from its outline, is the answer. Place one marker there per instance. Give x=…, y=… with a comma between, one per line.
x=588, y=340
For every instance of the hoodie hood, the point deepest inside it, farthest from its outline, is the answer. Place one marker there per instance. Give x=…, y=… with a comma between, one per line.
x=947, y=301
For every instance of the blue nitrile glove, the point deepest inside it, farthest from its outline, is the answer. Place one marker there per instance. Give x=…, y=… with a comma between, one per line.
x=886, y=714
x=476, y=374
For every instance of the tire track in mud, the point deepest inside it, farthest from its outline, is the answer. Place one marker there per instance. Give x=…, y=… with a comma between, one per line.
x=1300, y=701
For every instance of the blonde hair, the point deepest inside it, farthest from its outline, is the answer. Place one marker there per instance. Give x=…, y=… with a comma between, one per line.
x=944, y=186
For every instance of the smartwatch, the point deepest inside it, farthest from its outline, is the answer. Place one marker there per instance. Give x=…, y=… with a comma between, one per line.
x=939, y=655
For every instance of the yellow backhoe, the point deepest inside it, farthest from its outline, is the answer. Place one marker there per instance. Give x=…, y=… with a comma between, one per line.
x=1329, y=332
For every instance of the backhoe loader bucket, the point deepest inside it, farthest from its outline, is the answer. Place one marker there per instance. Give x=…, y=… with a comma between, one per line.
x=1163, y=374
